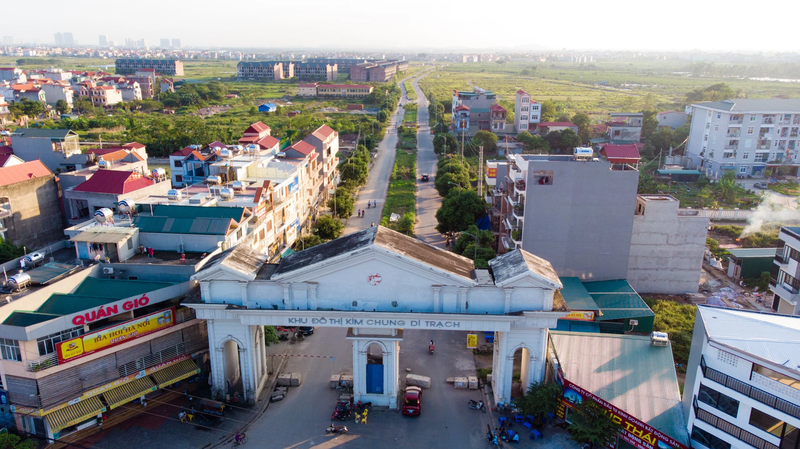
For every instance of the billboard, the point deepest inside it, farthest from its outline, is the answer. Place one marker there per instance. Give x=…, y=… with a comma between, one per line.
x=580, y=316
x=634, y=431
x=111, y=336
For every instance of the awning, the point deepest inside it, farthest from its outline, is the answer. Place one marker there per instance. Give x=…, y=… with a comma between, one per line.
x=128, y=392
x=174, y=373
x=75, y=413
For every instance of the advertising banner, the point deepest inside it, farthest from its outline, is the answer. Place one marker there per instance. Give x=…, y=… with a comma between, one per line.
x=580, y=316
x=491, y=172
x=634, y=431
x=109, y=337
x=472, y=341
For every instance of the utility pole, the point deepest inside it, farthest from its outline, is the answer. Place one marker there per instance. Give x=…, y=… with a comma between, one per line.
x=463, y=129
x=480, y=172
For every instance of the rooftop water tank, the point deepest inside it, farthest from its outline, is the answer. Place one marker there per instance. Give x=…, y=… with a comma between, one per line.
x=103, y=215
x=19, y=281
x=226, y=193
x=214, y=180
x=174, y=195
x=126, y=205
x=158, y=172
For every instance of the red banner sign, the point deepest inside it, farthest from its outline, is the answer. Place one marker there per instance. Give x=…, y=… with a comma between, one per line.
x=634, y=431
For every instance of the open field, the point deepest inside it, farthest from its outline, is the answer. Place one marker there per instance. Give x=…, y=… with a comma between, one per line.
x=400, y=198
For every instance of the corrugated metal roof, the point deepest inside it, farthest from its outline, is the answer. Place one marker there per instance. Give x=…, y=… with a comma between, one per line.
x=25, y=319
x=617, y=286
x=754, y=105
x=576, y=295
x=771, y=337
x=744, y=253
x=617, y=300
x=44, y=133
x=678, y=172
x=172, y=211
x=23, y=172
x=205, y=226
x=117, y=288
x=613, y=367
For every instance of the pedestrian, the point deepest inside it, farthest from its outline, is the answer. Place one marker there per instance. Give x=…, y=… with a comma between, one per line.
x=372, y=225
x=191, y=414
x=150, y=252
x=182, y=416
x=375, y=203
x=369, y=203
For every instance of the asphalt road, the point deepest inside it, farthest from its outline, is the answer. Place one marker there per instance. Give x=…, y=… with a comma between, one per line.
x=299, y=421
x=378, y=180
x=428, y=199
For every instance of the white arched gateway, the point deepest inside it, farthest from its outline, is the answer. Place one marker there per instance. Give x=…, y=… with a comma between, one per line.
x=377, y=283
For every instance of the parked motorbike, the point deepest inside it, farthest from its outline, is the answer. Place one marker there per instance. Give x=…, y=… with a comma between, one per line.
x=342, y=411
x=361, y=406
x=477, y=405
x=336, y=429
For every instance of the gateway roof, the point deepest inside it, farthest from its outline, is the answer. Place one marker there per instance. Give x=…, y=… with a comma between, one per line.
x=510, y=265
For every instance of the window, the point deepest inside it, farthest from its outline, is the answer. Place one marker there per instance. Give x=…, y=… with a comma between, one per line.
x=706, y=439
x=130, y=243
x=178, y=178
x=524, y=109
x=743, y=169
x=719, y=401
x=535, y=107
x=748, y=143
x=745, y=156
x=716, y=127
x=9, y=349
x=761, y=157
x=525, y=99
x=752, y=117
x=776, y=376
x=47, y=345
x=534, y=117
x=766, y=422
x=750, y=130
x=524, y=117
x=523, y=126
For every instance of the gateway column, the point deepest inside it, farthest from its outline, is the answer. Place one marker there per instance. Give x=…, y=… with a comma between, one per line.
x=376, y=372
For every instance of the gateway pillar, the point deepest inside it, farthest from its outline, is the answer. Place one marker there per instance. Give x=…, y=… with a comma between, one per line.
x=532, y=345
x=376, y=361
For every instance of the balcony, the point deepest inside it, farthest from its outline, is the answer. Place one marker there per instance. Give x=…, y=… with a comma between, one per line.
x=508, y=244
x=519, y=186
x=519, y=211
x=736, y=134
x=42, y=363
x=516, y=236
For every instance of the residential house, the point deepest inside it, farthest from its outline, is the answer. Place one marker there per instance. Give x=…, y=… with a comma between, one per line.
x=104, y=96
x=5, y=112
x=130, y=90
x=7, y=160
x=671, y=119
x=344, y=90
x=167, y=85
x=742, y=386
x=58, y=91
x=105, y=189
x=472, y=110
x=498, y=118
x=625, y=127
x=14, y=75
x=545, y=128
x=30, y=211
x=527, y=112
x=785, y=285
x=51, y=146
x=171, y=67
x=746, y=136
x=621, y=154
x=27, y=91
x=254, y=133
x=267, y=107
x=307, y=90
x=326, y=142
x=750, y=263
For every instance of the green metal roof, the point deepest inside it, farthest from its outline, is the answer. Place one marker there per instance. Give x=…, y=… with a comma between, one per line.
x=117, y=288
x=44, y=133
x=171, y=211
x=617, y=300
x=481, y=110
x=25, y=319
x=678, y=172
x=618, y=286
x=745, y=253
x=576, y=295
x=207, y=226
x=627, y=371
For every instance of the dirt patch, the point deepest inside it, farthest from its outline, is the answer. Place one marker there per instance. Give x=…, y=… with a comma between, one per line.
x=674, y=298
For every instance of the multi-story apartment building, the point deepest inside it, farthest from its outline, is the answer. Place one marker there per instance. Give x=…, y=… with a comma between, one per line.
x=527, y=112
x=343, y=64
x=30, y=213
x=311, y=71
x=103, y=96
x=785, y=285
x=82, y=349
x=271, y=70
x=16, y=92
x=742, y=387
x=326, y=142
x=51, y=146
x=171, y=67
x=344, y=90
x=475, y=110
x=745, y=136
x=376, y=71
x=146, y=85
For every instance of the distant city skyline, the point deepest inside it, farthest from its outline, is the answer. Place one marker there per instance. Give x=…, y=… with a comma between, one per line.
x=511, y=25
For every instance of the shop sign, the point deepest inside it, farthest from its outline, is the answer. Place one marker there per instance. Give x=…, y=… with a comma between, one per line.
x=108, y=310
x=472, y=341
x=632, y=430
x=261, y=211
x=491, y=172
x=580, y=316
x=109, y=337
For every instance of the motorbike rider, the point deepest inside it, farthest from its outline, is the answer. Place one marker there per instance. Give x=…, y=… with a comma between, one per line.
x=431, y=346
x=238, y=438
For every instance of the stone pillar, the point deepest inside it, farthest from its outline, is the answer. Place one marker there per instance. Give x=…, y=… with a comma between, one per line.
x=507, y=305
x=287, y=297
x=359, y=369
x=247, y=361
x=243, y=289
x=502, y=371
x=437, y=298
x=462, y=299
x=312, y=296
x=217, y=365
x=391, y=373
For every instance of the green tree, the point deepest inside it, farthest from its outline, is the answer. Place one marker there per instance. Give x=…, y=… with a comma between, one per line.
x=715, y=92
x=406, y=223
x=459, y=210
x=307, y=241
x=465, y=245
x=583, y=122
x=591, y=425
x=253, y=110
x=649, y=123
x=553, y=139
x=488, y=140
x=541, y=398
x=62, y=107
x=11, y=441
x=727, y=186
x=84, y=105
x=270, y=335
x=647, y=185
x=355, y=171
x=447, y=182
x=328, y=227
x=549, y=111
x=662, y=139
x=680, y=134
x=569, y=140
x=9, y=251
x=533, y=144
x=445, y=143
x=563, y=118
x=342, y=203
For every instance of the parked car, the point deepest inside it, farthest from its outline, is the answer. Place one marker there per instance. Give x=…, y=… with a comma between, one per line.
x=412, y=402
x=760, y=185
x=425, y=177
x=306, y=330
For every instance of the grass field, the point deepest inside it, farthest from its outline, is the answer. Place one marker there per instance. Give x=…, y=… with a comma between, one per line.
x=401, y=199
x=677, y=320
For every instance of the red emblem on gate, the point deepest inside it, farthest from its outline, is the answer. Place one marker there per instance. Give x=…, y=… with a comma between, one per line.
x=374, y=279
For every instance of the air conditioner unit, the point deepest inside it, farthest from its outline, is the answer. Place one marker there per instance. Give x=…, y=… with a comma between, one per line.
x=108, y=270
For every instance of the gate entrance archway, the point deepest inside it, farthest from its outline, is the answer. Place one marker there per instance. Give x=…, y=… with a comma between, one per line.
x=378, y=283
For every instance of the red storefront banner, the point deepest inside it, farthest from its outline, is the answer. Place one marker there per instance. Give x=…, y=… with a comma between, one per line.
x=634, y=431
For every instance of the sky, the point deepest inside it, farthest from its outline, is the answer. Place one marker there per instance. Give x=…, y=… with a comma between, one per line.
x=425, y=25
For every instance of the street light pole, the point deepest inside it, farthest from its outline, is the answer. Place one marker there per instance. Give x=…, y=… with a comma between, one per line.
x=475, y=253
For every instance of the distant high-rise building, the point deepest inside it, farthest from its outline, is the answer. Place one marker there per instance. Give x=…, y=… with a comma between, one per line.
x=176, y=43
x=143, y=44
x=69, y=41
x=164, y=43
x=59, y=39
x=8, y=40
x=103, y=40
x=130, y=43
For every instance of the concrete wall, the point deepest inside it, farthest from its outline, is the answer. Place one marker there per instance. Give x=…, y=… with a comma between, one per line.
x=30, y=149
x=582, y=223
x=36, y=210
x=109, y=200
x=666, y=249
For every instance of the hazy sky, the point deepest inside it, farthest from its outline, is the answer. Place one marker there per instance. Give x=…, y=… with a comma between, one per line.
x=430, y=24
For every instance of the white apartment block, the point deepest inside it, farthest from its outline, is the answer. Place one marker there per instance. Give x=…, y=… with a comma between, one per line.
x=786, y=285
x=745, y=136
x=527, y=112
x=742, y=387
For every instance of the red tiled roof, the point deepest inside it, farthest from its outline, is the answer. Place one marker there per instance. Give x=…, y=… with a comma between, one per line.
x=6, y=150
x=114, y=155
x=323, y=132
x=183, y=152
x=522, y=92
x=257, y=127
x=248, y=139
x=4, y=158
x=548, y=124
x=308, y=85
x=461, y=107
x=343, y=86
x=267, y=142
x=621, y=153
x=303, y=147
x=22, y=172
x=114, y=181
x=497, y=107
x=134, y=146
x=217, y=144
